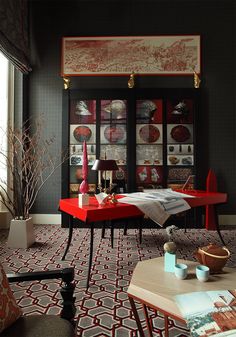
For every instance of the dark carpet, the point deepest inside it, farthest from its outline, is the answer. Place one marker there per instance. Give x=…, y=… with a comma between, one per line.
x=104, y=310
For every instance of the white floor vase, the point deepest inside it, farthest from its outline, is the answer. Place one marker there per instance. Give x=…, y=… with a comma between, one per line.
x=21, y=234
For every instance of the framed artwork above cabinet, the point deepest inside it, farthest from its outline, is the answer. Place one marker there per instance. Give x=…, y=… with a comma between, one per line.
x=151, y=133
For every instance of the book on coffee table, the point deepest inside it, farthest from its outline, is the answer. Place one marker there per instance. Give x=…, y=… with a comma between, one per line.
x=209, y=313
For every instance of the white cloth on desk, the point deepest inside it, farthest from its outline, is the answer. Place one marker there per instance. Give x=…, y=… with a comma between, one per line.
x=157, y=207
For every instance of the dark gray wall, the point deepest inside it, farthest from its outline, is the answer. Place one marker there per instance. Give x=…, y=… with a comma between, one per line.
x=214, y=20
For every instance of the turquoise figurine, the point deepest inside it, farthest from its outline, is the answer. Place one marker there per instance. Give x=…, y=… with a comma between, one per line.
x=169, y=257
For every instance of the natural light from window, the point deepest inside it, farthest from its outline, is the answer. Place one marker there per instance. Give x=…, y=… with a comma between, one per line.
x=4, y=67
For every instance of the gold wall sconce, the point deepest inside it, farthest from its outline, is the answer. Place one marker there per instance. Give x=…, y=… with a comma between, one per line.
x=196, y=80
x=66, y=82
x=131, y=82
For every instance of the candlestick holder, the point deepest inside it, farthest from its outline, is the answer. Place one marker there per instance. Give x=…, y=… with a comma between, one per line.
x=107, y=166
x=105, y=189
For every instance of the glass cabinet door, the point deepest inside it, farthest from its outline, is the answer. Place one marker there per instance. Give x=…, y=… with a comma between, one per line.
x=180, y=141
x=149, y=144
x=113, y=139
x=82, y=128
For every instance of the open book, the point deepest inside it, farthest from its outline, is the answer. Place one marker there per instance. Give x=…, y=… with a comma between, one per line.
x=209, y=313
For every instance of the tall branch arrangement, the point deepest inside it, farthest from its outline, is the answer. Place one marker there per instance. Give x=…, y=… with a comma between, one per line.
x=30, y=163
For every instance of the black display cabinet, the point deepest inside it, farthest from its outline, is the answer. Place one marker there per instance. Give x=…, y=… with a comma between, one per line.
x=151, y=133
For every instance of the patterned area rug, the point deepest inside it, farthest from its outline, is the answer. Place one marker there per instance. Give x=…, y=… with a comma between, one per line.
x=104, y=310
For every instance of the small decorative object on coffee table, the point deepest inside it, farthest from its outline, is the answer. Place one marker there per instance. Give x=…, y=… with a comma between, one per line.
x=213, y=256
x=170, y=256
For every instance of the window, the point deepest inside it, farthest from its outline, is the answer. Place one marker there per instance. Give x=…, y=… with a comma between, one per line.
x=4, y=66
x=6, y=71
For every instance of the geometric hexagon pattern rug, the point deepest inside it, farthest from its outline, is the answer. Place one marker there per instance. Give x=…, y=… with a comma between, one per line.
x=104, y=309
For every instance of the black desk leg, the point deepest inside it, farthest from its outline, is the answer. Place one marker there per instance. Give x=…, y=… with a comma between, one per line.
x=140, y=224
x=90, y=254
x=69, y=237
x=103, y=229
x=112, y=233
x=125, y=227
x=185, y=221
x=217, y=224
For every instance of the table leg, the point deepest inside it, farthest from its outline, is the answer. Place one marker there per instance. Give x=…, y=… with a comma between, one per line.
x=90, y=254
x=211, y=186
x=69, y=237
x=166, y=326
x=149, y=327
x=140, y=223
x=185, y=221
x=136, y=316
x=103, y=229
x=125, y=228
x=217, y=224
x=112, y=233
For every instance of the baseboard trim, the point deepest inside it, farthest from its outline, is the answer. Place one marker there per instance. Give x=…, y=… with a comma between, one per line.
x=4, y=219
x=45, y=219
x=55, y=219
x=227, y=219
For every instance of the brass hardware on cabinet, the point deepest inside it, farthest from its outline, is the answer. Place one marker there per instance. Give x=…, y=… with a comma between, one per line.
x=196, y=80
x=131, y=81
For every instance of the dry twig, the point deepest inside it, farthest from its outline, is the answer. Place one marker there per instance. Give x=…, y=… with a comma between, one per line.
x=30, y=164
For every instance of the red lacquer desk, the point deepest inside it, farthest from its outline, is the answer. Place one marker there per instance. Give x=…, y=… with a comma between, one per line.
x=95, y=212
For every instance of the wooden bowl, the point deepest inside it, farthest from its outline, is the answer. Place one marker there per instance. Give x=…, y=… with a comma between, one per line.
x=213, y=256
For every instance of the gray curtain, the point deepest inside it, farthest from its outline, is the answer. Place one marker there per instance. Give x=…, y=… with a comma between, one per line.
x=14, y=41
